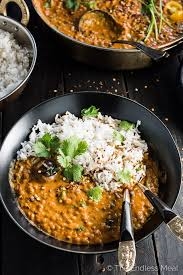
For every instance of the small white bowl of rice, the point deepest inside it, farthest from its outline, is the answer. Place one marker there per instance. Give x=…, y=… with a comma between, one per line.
x=18, y=53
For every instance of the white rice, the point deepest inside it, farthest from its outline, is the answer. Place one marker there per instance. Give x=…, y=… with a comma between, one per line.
x=14, y=63
x=105, y=156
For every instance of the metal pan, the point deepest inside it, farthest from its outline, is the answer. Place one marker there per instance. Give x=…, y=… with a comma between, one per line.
x=108, y=58
x=154, y=131
x=24, y=38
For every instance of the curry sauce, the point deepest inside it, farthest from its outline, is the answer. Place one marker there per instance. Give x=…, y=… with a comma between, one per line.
x=134, y=18
x=64, y=210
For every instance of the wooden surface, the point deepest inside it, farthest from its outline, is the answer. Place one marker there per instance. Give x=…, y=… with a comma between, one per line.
x=55, y=74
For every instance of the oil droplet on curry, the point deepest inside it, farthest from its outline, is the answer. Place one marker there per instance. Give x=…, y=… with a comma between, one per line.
x=66, y=211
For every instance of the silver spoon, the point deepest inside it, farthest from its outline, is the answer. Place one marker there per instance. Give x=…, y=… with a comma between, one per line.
x=172, y=220
x=126, y=249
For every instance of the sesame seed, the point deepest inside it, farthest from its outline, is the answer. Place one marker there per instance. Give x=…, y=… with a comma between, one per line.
x=166, y=118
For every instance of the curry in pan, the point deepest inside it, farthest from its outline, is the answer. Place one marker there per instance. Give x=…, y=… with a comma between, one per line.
x=153, y=22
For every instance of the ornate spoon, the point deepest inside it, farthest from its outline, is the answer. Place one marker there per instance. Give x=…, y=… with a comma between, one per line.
x=126, y=249
x=173, y=221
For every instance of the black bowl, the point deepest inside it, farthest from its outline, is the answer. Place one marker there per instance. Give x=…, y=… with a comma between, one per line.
x=154, y=131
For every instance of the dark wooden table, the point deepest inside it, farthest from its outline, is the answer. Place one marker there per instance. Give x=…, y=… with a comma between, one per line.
x=56, y=74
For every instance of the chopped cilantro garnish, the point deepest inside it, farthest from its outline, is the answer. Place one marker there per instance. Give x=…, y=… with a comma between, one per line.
x=124, y=176
x=95, y=193
x=125, y=125
x=46, y=146
x=80, y=228
x=73, y=172
x=75, y=4
x=73, y=147
x=91, y=111
x=72, y=4
x=89, y=4
x=64, y=161
x=118, y=136
x=68, y=150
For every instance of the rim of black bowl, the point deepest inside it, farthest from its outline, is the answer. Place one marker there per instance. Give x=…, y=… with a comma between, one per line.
x=115, y=242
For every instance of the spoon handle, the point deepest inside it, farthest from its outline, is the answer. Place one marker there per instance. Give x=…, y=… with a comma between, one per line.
x=126, y=249
x=173, y=221
x=152, y=53
x=176, y=227
x=163, y=209
x=126, y=229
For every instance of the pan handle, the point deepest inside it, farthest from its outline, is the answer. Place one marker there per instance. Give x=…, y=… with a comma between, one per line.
x=22, y=5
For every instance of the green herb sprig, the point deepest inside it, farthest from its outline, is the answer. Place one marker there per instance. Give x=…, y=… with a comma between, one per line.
x=124, y=176
x=92, y=111
x=68, y=150
x=46, y=146
x=75, y=4
x=156, y=17
x=49, y=146
x=126, y=125
x=95, y=193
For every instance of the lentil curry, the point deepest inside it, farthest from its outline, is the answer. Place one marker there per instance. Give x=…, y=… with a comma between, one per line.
x=65, y=211
x=153, y=22
x=69, y=177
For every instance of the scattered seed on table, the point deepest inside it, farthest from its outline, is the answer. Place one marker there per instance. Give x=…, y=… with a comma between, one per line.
x=145, y=86
x=152, y=109
x=114, y=79
x=166, y=118
x=136, y=89
x=71, y=91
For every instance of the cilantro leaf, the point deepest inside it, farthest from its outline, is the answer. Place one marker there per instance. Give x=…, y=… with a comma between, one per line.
x=72, y=4
x=91, y=111
x=125, y=125
x=124, y=176
x=118, y=136
x=95, y=193
x=77, y=172
x=46, y=146
x=40, y=150
x=73, y=172
x=89, y=4
x=73, y=147
x=64, y=161
x=81, y=148
x=69, y=146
